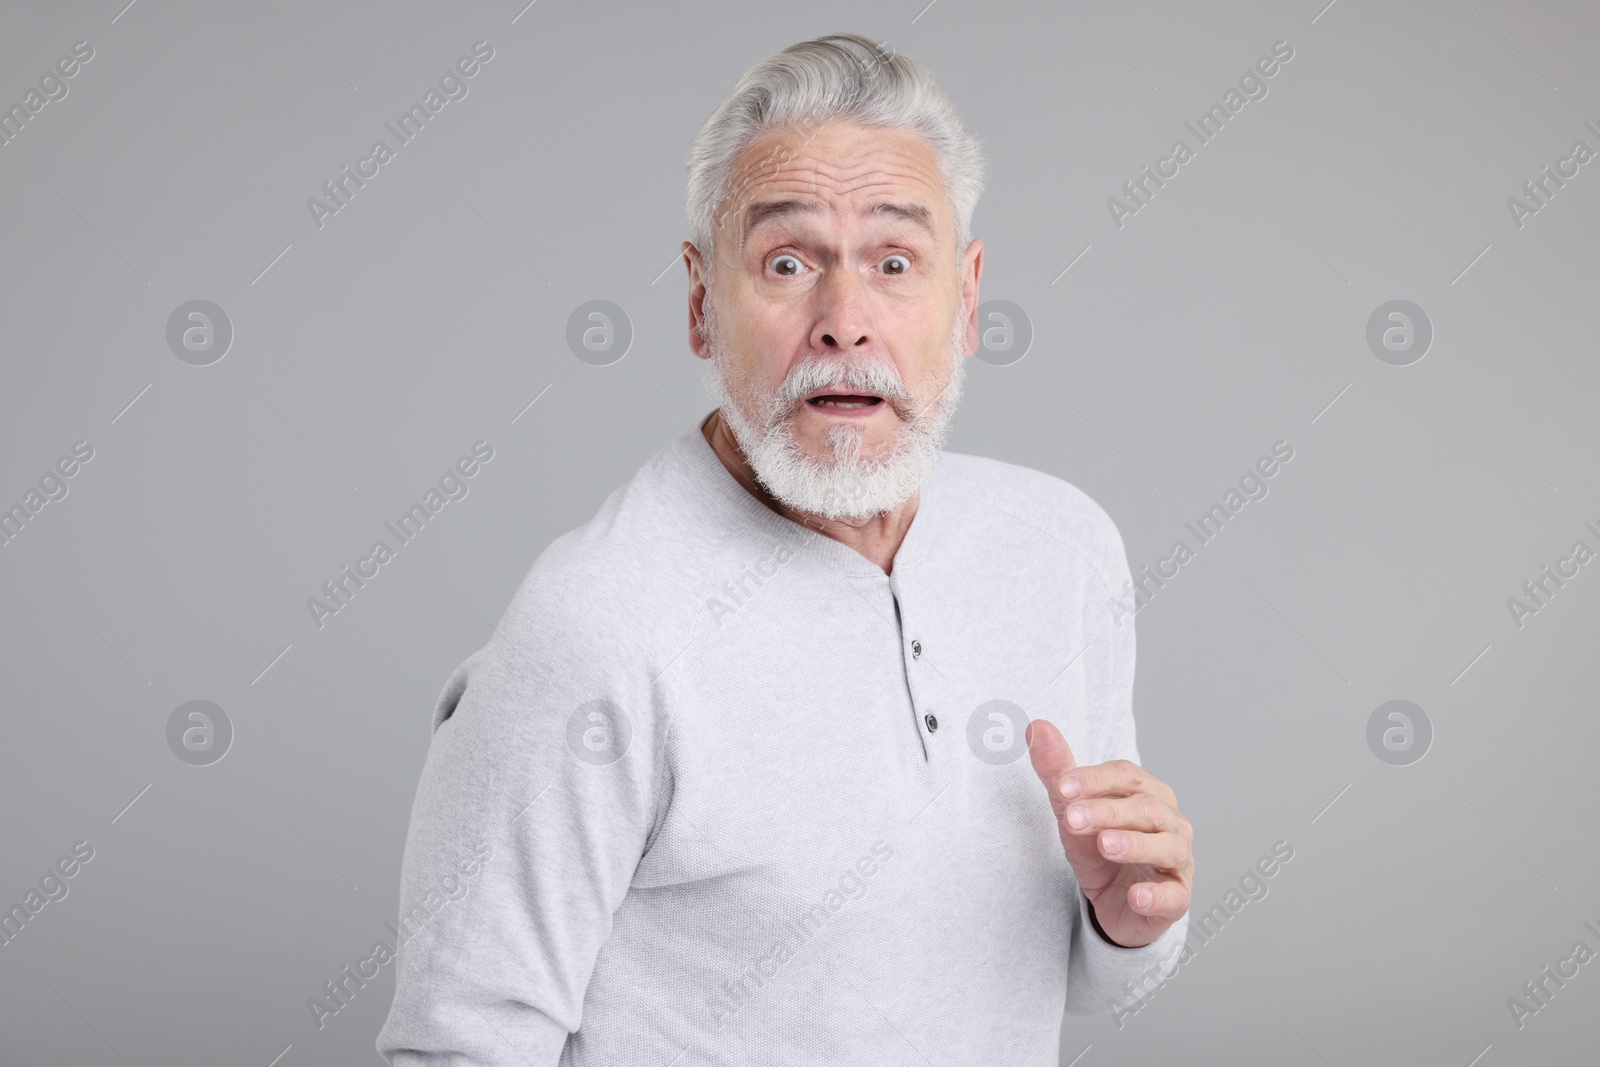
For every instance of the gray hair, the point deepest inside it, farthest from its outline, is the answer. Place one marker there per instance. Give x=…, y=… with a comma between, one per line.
x=840, y=76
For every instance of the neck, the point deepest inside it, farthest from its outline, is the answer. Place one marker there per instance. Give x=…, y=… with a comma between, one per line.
x=877, y=538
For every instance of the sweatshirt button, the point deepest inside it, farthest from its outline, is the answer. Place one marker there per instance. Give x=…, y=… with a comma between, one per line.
x=933, y=723
x=916, y=649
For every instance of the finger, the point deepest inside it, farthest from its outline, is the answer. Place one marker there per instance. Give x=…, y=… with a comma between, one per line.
x=1145, y=812
x=1166, y=900
x=1051, y=755
x=1165, y=850
x=1118, y=777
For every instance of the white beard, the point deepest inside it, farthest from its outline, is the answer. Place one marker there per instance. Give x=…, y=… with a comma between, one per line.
x=852, y=488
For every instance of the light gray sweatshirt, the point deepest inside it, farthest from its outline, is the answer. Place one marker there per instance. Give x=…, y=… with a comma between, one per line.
x=747, y=799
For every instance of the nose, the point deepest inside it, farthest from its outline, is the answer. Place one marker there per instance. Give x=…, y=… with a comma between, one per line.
x=842, y=321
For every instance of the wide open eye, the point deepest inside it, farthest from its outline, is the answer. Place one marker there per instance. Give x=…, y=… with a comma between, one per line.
x=895, y=264
x=786, y=265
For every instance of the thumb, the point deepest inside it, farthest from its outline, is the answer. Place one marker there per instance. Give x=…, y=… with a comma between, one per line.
x=1050, y=753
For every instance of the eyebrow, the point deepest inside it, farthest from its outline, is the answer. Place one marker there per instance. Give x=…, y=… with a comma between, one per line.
x=770, y=210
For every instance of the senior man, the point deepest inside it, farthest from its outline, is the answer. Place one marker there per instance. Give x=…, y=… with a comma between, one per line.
x=745, y=755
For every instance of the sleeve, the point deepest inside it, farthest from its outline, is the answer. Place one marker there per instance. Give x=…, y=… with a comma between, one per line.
x=1102, y=977
x=542, y=765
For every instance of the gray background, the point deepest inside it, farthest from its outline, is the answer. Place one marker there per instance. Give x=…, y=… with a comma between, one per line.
x=1227, y=315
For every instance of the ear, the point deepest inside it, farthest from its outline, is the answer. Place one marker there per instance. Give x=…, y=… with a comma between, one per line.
x=971, y=273
x=697, y=300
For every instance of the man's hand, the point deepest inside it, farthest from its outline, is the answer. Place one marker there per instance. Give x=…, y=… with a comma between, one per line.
x=1131, y=848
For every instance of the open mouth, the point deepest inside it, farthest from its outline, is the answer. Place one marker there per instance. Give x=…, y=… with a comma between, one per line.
x=844, y=401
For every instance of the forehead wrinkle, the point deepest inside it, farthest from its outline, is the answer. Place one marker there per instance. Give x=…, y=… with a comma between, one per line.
x=901, y=179
x=765, y=211
x=824, y=177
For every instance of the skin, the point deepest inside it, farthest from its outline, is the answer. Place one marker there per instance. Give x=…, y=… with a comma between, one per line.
x=1129, y=845
x=845, y=293
x=841, y=295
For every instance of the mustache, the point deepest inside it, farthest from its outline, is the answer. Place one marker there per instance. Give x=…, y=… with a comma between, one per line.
x=869, y=376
